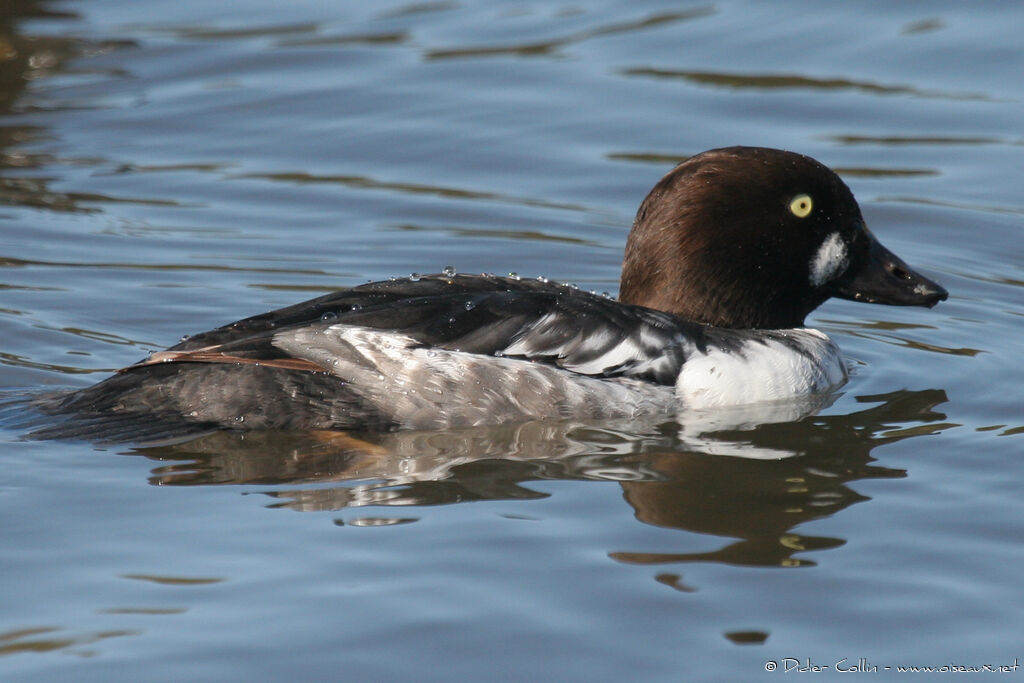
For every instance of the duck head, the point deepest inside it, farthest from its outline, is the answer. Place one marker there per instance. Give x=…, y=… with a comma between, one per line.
x=748, y=237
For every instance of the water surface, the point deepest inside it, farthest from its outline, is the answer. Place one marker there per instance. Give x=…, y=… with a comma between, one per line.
x=165, y=168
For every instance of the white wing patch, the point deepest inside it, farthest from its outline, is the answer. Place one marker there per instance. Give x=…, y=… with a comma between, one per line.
x=430, y=388
x=830, y=260
x=767, y=369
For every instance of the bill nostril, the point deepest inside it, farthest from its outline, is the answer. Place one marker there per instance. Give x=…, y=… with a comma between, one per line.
x=898, y=271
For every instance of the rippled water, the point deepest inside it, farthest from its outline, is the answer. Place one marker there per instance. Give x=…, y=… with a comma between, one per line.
x=168, y=167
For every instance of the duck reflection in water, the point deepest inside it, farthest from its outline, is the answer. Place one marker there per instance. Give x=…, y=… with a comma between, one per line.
x=672, y=475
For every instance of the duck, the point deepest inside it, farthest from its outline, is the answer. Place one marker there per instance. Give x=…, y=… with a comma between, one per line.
x=728, y=254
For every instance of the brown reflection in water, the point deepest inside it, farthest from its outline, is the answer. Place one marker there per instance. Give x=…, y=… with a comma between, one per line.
x=394, y=37
x=174, y=580
x=870, y=172
x=759, y=502
x=22, y=56
x=673, y=476
x=924, y=140
x=553, y=46
x=742, y=81
x=886, y=331
x=847, y=171
x=367, y=183
x=42, y=639
x=747, y=637
x=25, y=58
x=962, y=206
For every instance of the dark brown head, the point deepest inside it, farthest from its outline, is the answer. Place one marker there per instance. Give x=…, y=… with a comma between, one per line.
x=748, y=237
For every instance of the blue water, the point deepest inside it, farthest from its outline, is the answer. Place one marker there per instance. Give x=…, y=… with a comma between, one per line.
x=168, y=167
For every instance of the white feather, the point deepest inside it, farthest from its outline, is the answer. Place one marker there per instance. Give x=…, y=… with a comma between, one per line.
x=430, y=388
x=829, y=261
x=623, y=352
x=767, y=369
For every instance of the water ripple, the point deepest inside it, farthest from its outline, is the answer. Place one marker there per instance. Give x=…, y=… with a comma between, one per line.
x=364, y=182
x=550, y=46
x=796, y=82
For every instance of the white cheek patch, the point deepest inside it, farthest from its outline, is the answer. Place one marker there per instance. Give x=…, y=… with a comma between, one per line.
x=830, y=261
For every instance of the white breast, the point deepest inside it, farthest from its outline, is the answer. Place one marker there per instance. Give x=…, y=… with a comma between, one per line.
x=780, y=365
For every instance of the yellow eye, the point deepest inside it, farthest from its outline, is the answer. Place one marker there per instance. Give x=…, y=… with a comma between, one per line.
x=801, y=205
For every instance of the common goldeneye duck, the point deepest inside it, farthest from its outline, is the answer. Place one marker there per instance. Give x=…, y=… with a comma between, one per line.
x=728, y=254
